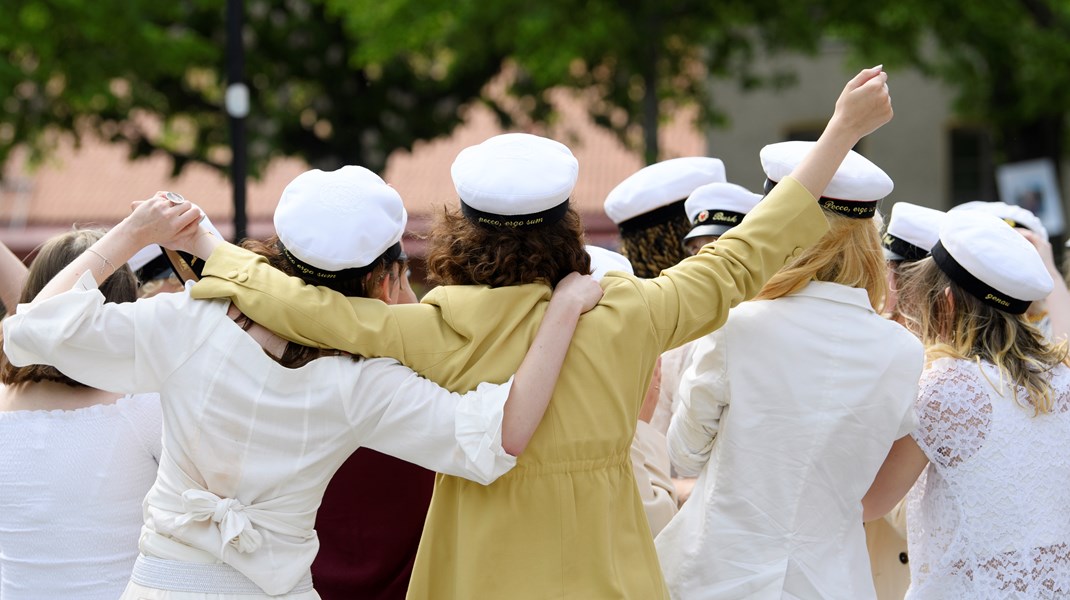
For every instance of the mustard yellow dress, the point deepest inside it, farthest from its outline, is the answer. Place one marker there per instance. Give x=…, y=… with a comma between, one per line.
x=567, y=522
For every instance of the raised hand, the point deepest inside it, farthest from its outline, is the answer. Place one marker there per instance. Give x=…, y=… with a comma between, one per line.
x=865, y=103
x=167, y=221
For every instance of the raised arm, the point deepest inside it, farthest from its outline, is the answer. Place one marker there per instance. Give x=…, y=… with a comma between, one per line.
x=537, y=375
x=12, y=277
x=1058, y=301
x=863, y=106
x=156, y=220
x=693, y=298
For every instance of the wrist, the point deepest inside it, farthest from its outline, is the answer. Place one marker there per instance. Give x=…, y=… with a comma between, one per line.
x=127, y=234
x=205, y=244
x=841, y=132
x=566, y=306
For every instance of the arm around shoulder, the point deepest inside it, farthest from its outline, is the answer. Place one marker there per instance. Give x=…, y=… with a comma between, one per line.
x=306, y=314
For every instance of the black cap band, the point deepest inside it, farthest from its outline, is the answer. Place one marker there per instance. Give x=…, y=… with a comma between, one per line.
x=664, y=214
x=156, y=268
x=392, y=254
x=854, y=210
x=904, y=248
x=717, y=217
x=977, y=288
x=530, y=221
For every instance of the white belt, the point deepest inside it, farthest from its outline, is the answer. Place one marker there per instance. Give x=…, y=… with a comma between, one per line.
x=205, y=578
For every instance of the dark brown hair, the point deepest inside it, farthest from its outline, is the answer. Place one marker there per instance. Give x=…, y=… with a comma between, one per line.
x=656, y=248
x=57, y=253
x=297, y=355
x=461, y=252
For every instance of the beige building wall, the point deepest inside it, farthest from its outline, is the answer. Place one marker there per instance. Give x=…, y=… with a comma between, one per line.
x=912, y=149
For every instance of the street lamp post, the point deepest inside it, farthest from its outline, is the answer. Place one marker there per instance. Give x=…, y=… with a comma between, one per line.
x=237, y=106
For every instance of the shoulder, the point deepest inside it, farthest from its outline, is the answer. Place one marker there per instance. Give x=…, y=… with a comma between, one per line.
x=941, y=370
x=904, y=344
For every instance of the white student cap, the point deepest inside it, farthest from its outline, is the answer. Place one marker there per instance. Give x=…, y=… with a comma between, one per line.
x=912, y=231
x=332, y=221
x=854, y=190
x=717, y=207
x=1013, y=215
x=604, y=261
x=655, y=194
x=991, y=261
x=149, y=262
x=515, y=180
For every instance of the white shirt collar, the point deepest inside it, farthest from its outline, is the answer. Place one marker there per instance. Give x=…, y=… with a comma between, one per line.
x=836, y=292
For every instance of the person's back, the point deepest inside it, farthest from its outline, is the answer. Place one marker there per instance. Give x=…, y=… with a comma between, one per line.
x=70, y=505
x=578, y=461
x=75, y=463
x=987, y=519
x=990, y=512
x=816, y=386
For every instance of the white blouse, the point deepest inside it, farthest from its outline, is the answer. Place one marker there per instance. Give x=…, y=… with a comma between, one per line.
x=71, y=487
x=990, y=516
x=249, y=445
x=787, y=413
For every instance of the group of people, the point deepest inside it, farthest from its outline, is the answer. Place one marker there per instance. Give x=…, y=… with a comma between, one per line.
x=753, y=340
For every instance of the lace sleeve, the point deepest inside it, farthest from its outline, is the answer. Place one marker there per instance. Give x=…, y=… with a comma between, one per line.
x=954, y=412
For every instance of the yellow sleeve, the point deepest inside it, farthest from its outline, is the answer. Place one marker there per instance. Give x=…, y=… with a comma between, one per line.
x=692, y=298
x=321, y=317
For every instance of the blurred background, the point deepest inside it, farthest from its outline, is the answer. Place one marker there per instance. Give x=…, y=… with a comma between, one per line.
x=107, y=101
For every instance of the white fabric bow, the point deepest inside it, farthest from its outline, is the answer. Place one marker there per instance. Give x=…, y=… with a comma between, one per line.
x=235, y=527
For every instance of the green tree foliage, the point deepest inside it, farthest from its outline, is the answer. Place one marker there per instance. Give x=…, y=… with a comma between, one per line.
x=1005, y=58
x=150, y=75
x=637, y=61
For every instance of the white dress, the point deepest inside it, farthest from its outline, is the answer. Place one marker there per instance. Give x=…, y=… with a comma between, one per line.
x=71, y=487
x=990, y=516
x=787, y=413
x=249, y=445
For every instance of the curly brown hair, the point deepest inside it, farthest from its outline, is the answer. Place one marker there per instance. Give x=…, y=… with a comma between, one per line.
x=296, y=355
x=461, y=252
x=57, y=253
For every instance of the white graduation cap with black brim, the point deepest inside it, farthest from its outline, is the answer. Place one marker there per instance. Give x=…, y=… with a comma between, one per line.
x=717, y=207
x=912, y=232
x=854, y=190
x=150, y=263
x=1012, y=214
x=515, y=181
x=991, y=261
x=656, y=193
x=340, y=224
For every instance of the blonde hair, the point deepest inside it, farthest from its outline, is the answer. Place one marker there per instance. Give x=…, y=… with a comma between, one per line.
x=849, y=254
x=951, y=322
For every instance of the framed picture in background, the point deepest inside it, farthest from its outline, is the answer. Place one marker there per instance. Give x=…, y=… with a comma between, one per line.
x=1032, y=185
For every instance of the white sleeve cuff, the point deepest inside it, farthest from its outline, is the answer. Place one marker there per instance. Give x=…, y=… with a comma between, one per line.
x=690, y=444
x=479, y=432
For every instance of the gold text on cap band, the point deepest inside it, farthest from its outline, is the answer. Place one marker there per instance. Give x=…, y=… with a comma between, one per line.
x=495, y=221
x=854, y=210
